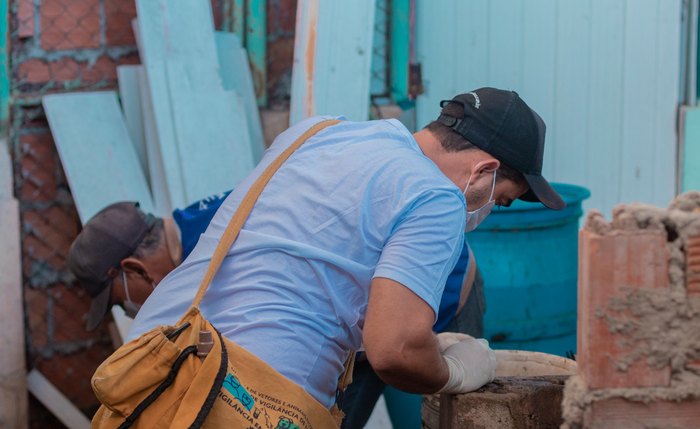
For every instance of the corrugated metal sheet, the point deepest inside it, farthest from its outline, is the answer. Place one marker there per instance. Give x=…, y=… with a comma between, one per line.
x=603, y=74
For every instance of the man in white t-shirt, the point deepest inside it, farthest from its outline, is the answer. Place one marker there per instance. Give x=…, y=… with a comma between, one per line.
x=352, y=240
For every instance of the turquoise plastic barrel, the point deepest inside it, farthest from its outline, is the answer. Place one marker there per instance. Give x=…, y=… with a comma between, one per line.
x=528, y=256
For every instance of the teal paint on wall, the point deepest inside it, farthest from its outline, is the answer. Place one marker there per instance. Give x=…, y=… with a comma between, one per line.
x=400, y=49
x=256, y=45
x=604, y=75
x=4, y=65
x=691, y=149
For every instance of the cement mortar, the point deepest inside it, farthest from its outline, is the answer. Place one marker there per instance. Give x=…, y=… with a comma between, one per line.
x=661, y=326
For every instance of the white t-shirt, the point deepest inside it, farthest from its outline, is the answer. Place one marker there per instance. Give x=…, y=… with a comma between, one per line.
x=358, y=200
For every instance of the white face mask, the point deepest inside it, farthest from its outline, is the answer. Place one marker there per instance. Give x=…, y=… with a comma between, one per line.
x=474, y=218
x=131, y=308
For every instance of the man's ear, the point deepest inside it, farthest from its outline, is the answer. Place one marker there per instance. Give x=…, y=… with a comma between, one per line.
x=133, y=265
x=487, y=166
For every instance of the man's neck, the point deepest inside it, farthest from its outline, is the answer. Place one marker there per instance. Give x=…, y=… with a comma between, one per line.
x=454, y=165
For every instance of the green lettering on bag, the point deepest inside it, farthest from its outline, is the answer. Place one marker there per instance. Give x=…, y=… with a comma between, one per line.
x=234, y=387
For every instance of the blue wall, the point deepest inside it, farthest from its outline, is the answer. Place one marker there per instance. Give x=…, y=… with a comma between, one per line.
x=603, y=74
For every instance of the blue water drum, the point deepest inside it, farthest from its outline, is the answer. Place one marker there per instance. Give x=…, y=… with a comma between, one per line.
x=528, y=256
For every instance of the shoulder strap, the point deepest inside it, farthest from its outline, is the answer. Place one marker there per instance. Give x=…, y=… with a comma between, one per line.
x=239, y=218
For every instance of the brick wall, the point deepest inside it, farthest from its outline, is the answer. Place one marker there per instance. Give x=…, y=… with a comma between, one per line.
x=638, y=320
x=280, y=51
x=68, y=45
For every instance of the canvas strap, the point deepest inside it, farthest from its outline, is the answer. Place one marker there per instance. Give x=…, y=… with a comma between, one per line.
x=239, y=218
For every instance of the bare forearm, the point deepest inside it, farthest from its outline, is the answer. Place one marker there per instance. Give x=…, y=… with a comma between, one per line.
x=415, y=366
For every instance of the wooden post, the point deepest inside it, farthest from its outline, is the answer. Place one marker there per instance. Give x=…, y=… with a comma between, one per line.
x=13, y=382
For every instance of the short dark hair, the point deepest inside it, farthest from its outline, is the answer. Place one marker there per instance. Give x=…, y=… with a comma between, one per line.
x=452, y=141
x=152, y=241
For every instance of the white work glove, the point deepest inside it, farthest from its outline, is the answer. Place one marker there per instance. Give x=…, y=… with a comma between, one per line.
x=446, y=339
x=471, y=364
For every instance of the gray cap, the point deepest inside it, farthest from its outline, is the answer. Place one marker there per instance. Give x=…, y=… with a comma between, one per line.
x=108, y=237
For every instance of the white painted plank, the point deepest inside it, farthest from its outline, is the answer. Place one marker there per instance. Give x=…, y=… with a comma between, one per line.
x=129, y=94
x=203, y=141
x=332, y=59
x=122, y=322
x=13, y=388
x=6, y=186
x=54, y=401
x=159, y=129
x=221, y=131
x=163, y=206
x=181, y=31
x=605, y=104
x=236, y=76
x=668, y=35
x=98, y=157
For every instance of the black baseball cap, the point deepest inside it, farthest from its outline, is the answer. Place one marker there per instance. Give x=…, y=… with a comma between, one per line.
x=500, y=123
x=111, y=235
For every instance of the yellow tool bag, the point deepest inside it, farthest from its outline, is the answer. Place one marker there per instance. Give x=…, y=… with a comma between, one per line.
x=189, y=376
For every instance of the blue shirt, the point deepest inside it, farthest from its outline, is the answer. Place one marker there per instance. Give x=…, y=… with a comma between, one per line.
x=359, y=200
x=194, y=219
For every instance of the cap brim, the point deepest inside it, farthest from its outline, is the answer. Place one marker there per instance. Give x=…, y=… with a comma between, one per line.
x=542, y=191
x=98, y=308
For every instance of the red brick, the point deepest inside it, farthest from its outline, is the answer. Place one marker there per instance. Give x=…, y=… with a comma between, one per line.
x=36, y=305
x=45, y=243
x=70, y=24
x=33, y=71
x=38, y=165
x=37, y=257
x=128, y=59
x=53, y=235
x=71, y=373
x=25, y=18
x=621, y=414
x=609, y=266
x=104, y=69
x=118, y=16
x=70, y=305
x=64, y=69
x=279, y=67
x=692, y=253
x=216, y=10
x=281, y=17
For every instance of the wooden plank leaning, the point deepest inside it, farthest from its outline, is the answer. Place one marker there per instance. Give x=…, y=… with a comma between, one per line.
x=13, y=387
x=95, y=148
x=202, y=136
x=332, y=59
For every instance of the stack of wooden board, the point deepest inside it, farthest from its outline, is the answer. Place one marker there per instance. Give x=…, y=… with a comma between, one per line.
x=188, y=126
